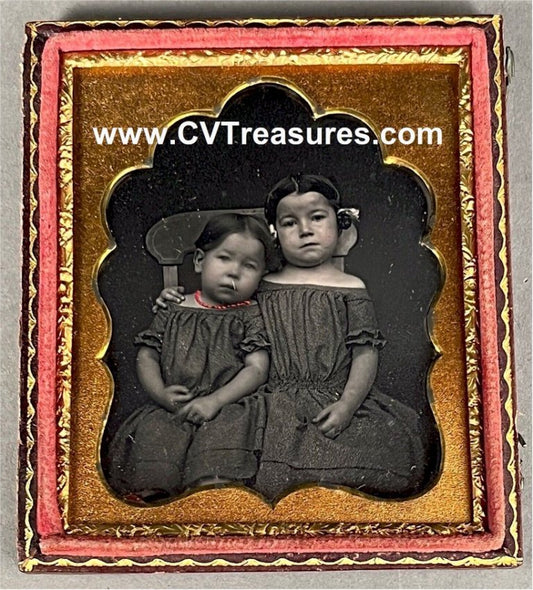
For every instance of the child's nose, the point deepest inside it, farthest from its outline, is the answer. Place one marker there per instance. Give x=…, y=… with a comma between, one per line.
x=233, y=270
x=305, y=228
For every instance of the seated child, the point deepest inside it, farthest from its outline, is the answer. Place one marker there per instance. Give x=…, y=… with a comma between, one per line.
x=200, y=361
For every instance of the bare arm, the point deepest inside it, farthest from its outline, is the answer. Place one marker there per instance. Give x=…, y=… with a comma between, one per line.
x=337, y=416
x=362, y=376
x=149, y=373
x=248, y=379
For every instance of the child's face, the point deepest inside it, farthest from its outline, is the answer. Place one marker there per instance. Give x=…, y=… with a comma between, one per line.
x=231, y=272
x=307, y=229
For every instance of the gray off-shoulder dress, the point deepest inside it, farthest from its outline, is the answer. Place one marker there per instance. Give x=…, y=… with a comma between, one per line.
x=202, y=349
x=313, y=330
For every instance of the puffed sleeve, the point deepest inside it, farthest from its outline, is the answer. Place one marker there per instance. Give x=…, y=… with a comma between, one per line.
x=254, y=337
x=362, y=323
x=153, y=336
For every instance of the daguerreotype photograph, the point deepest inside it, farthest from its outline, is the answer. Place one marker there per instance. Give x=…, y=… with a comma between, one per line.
x=300, y=350
x=266, y=313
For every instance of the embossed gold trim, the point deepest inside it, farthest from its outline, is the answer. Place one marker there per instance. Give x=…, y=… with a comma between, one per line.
x=458, y=56
x=470, y=288
x=280, y=562
x=29, y=563
x=274, y=22
x=66, y=284
x=509, y=407
x=29, y=503
x=269, y=57
x=313, y=529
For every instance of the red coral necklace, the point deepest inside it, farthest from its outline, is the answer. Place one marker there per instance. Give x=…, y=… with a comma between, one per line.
x=201, y=303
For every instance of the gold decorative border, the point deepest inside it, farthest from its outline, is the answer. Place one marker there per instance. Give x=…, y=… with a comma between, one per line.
x=29, y=563
x=277, y=22
x=280, y=562
x=66, y=284
x=311, y=529
x=424, y=55
x=470, y=290
x=272, y=57
x=29, y=502
x=510, y=435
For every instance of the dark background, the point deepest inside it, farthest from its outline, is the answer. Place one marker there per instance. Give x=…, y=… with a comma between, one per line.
x=402, y=276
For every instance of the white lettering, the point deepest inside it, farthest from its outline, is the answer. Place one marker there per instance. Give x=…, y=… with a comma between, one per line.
x=406, y=131
x=296, y=136
x=362, y=136
x=155, y=135
x=329, y=132
x=278, y=136
x=181, y=135
x=344, y=136
x=104, y=135
x=318, y=137
x=229, y=125
x=245, y=131
x=130, y=135
x=187, y=133
x=260, y=136
x=385, y=132
x=424, y=132
x=209, y=137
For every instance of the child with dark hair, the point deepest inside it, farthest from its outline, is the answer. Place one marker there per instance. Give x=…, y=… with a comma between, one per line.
x=327, y=422
x=200, y=361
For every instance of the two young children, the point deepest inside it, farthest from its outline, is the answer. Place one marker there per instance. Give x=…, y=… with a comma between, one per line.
x=223, y=411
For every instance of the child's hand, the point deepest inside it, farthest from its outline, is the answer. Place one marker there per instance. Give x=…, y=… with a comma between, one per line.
x=201, y=409
x=172, y=396
x=174, y=294
x=334, y=419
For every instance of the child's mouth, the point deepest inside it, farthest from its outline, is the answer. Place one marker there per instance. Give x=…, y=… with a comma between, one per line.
x=310, y=245
x=229, y=287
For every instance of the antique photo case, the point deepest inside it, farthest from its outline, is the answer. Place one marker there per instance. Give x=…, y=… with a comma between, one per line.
x=138, y=134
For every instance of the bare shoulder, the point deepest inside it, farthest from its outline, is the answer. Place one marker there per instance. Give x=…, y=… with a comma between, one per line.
x=273, y=277
x=268, y=276
x=332, y=278
x=189, y=301
x=349, y=281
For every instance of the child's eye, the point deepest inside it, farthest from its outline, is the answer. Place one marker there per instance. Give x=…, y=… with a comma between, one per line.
x=288, y=223
x=318, y=217
x=250, y=266
x=223, y=257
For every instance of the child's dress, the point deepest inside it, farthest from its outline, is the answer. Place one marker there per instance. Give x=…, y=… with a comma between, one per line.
x=202, y=349
x=312, y=330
